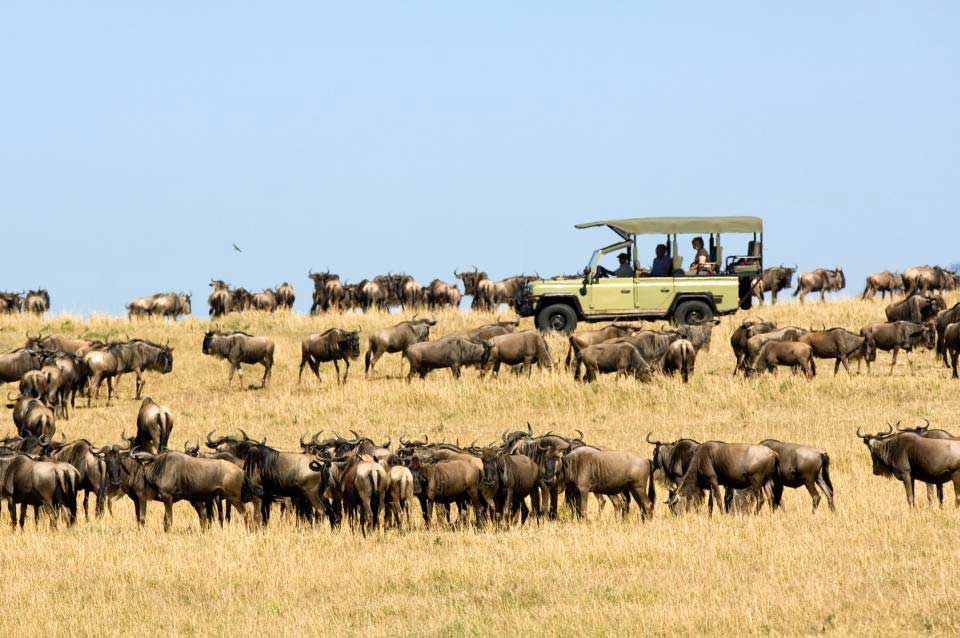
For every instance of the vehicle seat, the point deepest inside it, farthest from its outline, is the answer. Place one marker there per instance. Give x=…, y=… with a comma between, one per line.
x=677, y=263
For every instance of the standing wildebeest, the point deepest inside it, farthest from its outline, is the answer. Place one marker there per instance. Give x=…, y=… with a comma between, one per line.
x=32, y=417
x=470, y=282
x=951, y=345
x=822, y=281
x=622, y=358
x=593, y=337
x=507, y=481
x=359, y=484
x=699, y=336
x=522, y=348
x=679, y=357
x=910, y=457
x=943, y=319
x=900, y=335
x=784, y=353
x=239, y=347
x=929, y=279
x=840, y=345
x=609, y=473
x=13, y=365
x=58, y=343
x=49, y=485
x=400, y=491
x=119, y=358
x=154, y=425
x=285, y=296
x=450, y=352
x=756, y=342
x=333, y=345
x=265, y=301
x=220, y=299
x=37, y=301
x=936, y=433
x=329, y=293
x=801, y=466
x=737, y=466
x=741, y=336
x=773, y=280
x=917, y=307
x=171, y=305
x=883, y=282
x=82, y=455
x=445, y=482
x=11, y=302
x=440, y=294
x=396, y=339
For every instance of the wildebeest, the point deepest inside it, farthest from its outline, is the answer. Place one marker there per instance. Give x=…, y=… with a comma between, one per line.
x=935, y=433
x=285, y=475
x=943, y=319
x=651, y=346
x=329, y=293
x=593, y=337
x=164, y=304
x=507, y=481
x=679, y=357
x=784, y=353
x=840, y=345
x=285, y=296
x=609, y=473
x=33, y=417
x=119, y=358
x=521, y=348
x=917, y=307
x=910, y=457
x=772, y=280
x=440, y=294
x=73, y=376
x=491, y=330
x=801, y=466
x=699, y=336
x=756, y=342
x=49, y=485
x=622, y=358
x=450, y=352
x=735, y=466
x=471, y=280
x=741, y=336
x=672, y=459
x=900, y=335
x=445, y=482
x=333, y=345
x=11, y=302
x=265, y=300
x=490, y=294
x=396, y=339
x=400, y=491
x=238, y=348
x=59, y=343
x=154, y=424
x=820, y=280
x=360, y=484
x=951, y=345
x=13, y=365
x=241, y=300
x=929, y=279
x=220, y=299
x=883, y=282
x=91, y=469
x=37, y=301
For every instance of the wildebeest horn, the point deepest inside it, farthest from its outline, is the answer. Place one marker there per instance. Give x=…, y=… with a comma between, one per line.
x=129, y=443
x=529, y=429
x=403, y=440
x=860, y=435
x=651, y=441
x=388, y=443
x=303, y=445
x=356, y=437
x=580, y=433
x=245, y=437
x=503, y=437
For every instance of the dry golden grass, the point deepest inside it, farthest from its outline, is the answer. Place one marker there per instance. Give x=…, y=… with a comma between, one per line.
x=874, y=566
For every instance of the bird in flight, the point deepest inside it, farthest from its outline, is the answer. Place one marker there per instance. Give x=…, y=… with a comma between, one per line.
x=237, y=248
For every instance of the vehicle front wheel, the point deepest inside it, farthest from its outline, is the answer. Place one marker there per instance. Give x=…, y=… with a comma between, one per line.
x=692, y=313
x=557, y=318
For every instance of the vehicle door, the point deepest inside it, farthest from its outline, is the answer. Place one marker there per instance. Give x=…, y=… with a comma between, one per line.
x=610, y=295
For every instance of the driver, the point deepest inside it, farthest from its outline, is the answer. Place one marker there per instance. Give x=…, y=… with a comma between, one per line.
x=624, y=270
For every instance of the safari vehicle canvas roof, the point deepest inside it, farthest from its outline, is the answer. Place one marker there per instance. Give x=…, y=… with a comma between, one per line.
x=680, y=225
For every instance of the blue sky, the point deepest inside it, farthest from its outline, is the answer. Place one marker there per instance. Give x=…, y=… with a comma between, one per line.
x=140, y=141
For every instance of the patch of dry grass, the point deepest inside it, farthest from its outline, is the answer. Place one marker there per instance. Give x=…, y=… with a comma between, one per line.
x=873, y=567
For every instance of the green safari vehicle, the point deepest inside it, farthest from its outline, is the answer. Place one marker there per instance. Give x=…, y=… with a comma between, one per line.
x=693, y=296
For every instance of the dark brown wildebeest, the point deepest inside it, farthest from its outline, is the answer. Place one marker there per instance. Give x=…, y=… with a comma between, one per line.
x=917, y=307
x=440, y=294
x=11, y=302
x=621, y=358
x=334, y=345
x=82, y=455
x=119, y=358
x=445, y=482
x=372, y=294
x=936, y=433
x=33, y=418
x=910, y=457
x=241, y=300
x=588, y=470
x=265, y=301
x=680, y=357
x=491, y=330
x=220, y=299
x=154, y=425
x=508, y=479
x=408, y=291
x=450, y=352
x=396, y=339
x=47, y=485
x=58, y=343
x=320, y=302
x=900, y=335
x=141, y=306
x=521, y=348
x=784, y=353
x=951, y=346
x=285, y=296
x=34, y=384
x=756, y=342
x=801, y=466
x=883, y=282
x=772, y=280
x=593, y=337
x=285, y=475
x=840, y=345
x=741, y=336
x=699, y=336
x=672, y=459
x=73, y=375
x=943, y=319
x=13, y=365
x=737, y=466
x=820, y=280
x=929, y=279
x=651, y=345
x=547, y=452
x=470, y=282
x=240, y=347
x=37, y=301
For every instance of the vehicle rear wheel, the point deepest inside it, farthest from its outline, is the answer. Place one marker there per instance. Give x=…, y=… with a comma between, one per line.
x=692, y=313
x=557, y=318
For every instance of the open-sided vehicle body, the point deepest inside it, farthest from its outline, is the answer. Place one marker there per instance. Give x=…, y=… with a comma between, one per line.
x=685, y=297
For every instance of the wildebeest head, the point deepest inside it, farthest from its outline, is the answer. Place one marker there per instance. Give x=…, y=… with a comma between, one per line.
x=111, y=456
x=880, y=450
x=185, y=301
x=491, y=466
x=470, y=280
x=350, y=343
x=551, y=463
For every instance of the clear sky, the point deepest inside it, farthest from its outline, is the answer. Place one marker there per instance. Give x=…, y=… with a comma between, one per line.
x=140, y=140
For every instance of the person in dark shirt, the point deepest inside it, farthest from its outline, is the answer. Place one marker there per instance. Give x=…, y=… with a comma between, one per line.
x=662, y=264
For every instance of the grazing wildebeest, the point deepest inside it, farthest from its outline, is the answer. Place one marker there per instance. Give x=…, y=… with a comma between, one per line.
x=951, y=345
x=679, y=357
x=491, y=330
x=609, y=473
x=119, y=358
x=333, y=345
x=396, y=339
x=220, y=299
x=900, y=335
x=929, y=279
x=37, y=301
x=840, y=345
x=285, y=296
x=82, y=455
x=910, y=457
x=917, y=307
x=440, y=294
x=445, y=482
x=784, y=353
x=741, y=336
x=521, y=348
x=593, y=337
x=943, y=319
x=801, y=466
x=772, y=280
x=620, y=358
x=737, y=466
x=883, y=282
x=58, y=343
x=32, y=417
x=820, y=280
x=237, y=348
x=450, y=352
x=13, y=365
x=48, y=485
x=154, y=424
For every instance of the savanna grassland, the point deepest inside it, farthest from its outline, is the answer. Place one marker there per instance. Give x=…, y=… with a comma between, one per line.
x=873, y=567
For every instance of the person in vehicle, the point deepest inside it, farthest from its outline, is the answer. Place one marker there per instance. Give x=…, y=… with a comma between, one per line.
x=662, y=264
x=624, y=270
x=701, y=261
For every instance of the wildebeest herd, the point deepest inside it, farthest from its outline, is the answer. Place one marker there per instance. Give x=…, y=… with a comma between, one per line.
x=34, y=301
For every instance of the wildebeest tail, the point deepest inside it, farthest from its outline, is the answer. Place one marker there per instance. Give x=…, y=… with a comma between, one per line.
x=652, y=487
x=777, y=481
x=685, y=365
x=825, y=470
x=367, y=357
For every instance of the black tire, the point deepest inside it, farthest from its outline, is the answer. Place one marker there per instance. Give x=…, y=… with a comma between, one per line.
x=557, y=318
x=692, y=313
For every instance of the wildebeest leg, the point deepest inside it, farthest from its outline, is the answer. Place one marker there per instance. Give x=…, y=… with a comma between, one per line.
x=908, y=486
x=909, y=360
x=346, y=368
x=110, y=391
x=814, y=494
x=524, y=511
x=202, y=514
x=893, y=363
x=49, y=510
x=12, y=509
x=822, y=484
x=140, y=383
x=455, y=369
x=167, y=515
x=336, y=367
x=86, y=514
x=267, y=369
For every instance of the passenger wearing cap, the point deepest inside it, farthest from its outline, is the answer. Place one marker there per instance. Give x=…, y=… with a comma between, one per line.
x=624, y=270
